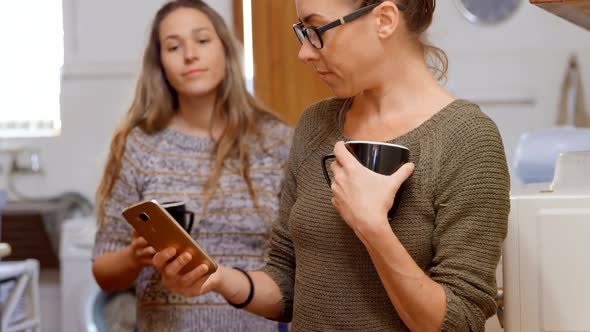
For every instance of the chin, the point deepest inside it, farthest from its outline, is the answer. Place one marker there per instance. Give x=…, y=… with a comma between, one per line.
x=343, y=92
x=195, y=91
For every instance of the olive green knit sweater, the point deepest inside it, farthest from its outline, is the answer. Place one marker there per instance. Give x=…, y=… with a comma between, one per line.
x=452, y=220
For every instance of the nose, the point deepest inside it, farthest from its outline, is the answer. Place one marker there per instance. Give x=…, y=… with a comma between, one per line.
x=307, y=53
x=191, y=52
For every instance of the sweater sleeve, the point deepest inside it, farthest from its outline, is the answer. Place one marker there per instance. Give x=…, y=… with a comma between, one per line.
x=472, y=204
x=114, y=232
x=281, y=257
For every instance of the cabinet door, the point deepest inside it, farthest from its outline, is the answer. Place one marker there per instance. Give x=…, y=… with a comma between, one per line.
x=281, y=80
x=575, y=11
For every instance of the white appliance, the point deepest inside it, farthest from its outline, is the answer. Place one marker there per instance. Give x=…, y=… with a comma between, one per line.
x=537, y=151
x=545, y=260
x=79, y=291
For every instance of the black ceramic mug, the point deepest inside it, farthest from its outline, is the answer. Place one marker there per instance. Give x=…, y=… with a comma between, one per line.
x=382, y=158
x=178, y=211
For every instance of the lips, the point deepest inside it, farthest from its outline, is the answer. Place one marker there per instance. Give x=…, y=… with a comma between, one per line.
x=324, y=74
x=193, y=72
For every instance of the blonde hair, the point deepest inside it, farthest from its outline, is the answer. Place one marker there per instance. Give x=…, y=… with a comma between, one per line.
x=156, y=102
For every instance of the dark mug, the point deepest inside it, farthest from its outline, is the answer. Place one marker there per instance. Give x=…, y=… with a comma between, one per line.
x=382, y=158
x=177, y=209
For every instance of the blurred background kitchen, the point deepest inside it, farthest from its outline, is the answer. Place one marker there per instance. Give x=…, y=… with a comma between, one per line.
x=67, y=73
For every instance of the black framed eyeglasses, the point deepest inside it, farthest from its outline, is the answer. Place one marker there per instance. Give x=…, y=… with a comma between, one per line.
x=314, y=34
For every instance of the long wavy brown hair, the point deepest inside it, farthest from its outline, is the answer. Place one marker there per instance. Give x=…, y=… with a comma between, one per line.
x=418, y=15
x=155, y=104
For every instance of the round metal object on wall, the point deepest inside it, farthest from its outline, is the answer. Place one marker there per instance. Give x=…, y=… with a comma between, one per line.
x=487, y=11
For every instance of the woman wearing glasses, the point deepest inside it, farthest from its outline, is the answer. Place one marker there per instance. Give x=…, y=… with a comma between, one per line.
x=337, y=262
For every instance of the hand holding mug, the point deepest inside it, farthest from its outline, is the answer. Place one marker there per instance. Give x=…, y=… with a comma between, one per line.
x=367, y=180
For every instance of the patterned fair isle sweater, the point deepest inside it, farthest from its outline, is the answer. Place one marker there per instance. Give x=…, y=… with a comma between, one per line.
x=170, y=166
x=452, y=220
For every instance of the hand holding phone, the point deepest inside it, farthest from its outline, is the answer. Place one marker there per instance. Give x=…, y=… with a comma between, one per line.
x=160, y=229
x=141, y=252
x=194, y=283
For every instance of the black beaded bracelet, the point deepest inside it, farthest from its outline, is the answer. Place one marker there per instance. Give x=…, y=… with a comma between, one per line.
x=250, y=295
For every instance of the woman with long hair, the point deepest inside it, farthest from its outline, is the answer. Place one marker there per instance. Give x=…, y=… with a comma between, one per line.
x=193, y=134
x=337, y=262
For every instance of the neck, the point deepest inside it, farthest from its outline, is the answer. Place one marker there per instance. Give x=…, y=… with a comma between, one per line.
x=195, y=115
x=413, y=88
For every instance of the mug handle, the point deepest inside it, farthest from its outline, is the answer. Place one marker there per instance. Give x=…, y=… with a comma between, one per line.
x=191, y=219
x=325, y=169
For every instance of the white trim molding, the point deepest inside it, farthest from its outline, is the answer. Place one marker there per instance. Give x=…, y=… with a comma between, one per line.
x=74, y=71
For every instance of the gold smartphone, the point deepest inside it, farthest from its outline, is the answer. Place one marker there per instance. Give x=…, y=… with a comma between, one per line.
x=158, y=227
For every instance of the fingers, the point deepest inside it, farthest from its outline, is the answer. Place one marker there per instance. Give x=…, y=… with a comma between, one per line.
x=336, y=169
x=192, y=283
x=177, y=264
x=343, y=156
x=147, y=252
x=139, y=242
x=402, y=174
x=334, y=203
x=161, y=258
x=191, y=277
x=189, y=284
x=146, y=261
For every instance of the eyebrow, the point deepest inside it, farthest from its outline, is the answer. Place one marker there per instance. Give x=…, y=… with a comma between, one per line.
x=194, y=31
x=309, y=17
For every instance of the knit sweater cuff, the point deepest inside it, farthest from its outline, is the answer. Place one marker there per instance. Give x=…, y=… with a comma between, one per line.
x=454, y=316
x=285, y=287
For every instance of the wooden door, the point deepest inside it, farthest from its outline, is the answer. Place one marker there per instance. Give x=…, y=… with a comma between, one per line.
x=281, y=80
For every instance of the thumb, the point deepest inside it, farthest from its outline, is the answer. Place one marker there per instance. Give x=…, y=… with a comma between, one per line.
x=343, y=156
x=401, y=175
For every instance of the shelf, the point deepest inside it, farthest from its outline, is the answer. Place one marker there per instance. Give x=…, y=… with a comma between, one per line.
x=575, y=11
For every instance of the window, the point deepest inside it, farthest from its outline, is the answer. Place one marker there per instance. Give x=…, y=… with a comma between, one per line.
x=31, y=33
x=248, y=48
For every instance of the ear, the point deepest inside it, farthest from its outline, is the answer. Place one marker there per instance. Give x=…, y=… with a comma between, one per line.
x=388, y=18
